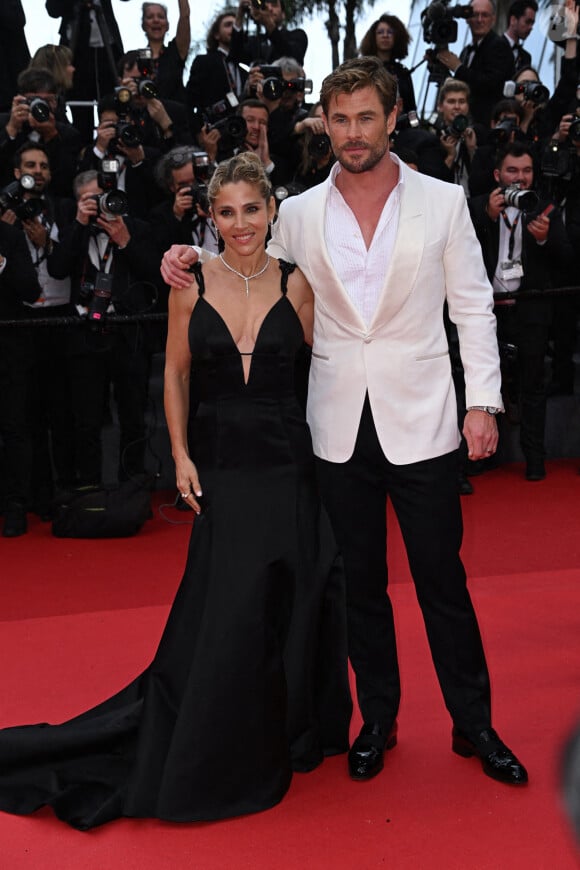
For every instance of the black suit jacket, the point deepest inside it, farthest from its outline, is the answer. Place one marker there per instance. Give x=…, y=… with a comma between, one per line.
x=268, y=48
x=13, y=49
x=521, y=57
x=491, y=67
x=18, y=280
x=208, y=84
x=63, y=152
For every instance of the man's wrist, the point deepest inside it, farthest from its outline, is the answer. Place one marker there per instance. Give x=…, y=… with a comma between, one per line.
x=492, y=410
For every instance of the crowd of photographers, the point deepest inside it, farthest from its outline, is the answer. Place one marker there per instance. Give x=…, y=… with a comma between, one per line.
x=87, y=209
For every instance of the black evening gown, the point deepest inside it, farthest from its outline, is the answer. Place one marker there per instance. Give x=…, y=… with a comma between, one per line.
x=250, y=678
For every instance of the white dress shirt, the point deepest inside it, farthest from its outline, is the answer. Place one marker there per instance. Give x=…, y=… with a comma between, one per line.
x=361, y=271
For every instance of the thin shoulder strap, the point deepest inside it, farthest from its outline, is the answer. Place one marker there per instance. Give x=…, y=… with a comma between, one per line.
x=198, y=274
x=286, y=269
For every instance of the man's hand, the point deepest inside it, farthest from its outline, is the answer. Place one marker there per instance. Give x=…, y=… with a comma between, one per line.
x=87, y=208
x=209, y=141
x=105, y=132
x=116, y=229
x=539, y=228
x=480, y=431
x=263, y=149
x=495, y=204
x=36, y=232
x=8, y=217
x=175, y=264
x=182, y=203
x=448, y=59
x=18, y=116
x=159, y=114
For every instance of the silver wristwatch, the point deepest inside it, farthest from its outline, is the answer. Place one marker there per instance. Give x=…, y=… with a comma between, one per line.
x=489, y=409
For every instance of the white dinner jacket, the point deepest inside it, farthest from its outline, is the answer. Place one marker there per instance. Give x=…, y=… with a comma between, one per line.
x=402, y=357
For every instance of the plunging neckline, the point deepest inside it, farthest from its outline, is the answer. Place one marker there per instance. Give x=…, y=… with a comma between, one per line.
x=240, y=353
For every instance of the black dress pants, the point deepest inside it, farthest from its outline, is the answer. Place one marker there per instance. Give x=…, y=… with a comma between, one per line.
x=425, y=500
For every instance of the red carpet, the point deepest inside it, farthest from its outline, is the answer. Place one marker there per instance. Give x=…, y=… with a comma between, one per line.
x=80, y=618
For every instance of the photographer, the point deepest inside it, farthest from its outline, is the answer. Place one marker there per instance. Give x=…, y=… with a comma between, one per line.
x=167, y=61
x=184, y=217
x=41, y=217
x=273, y=42
x=485, y=64
x=283, y=94
x=120, y=138
x=18, y=284
x=214, y=77
x=503, y=130
x=33, y=116
x=457, y=134
x=112, y=259
x=163, y=123
x=524, y=246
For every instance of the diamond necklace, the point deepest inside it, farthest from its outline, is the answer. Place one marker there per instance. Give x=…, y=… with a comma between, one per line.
x=246, y=278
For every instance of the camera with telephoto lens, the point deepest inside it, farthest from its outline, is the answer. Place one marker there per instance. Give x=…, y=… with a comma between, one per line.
x=319, y=145
x=524, y=200
x=221, y=116
x=12, y=197
x=112, y=202
x=535, y=92
x=274, y=87
x=439, y=23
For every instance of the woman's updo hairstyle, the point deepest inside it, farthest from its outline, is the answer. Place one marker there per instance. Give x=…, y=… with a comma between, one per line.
x=245, y=166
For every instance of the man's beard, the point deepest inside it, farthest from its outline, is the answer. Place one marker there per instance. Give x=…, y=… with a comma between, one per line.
x=364, y=164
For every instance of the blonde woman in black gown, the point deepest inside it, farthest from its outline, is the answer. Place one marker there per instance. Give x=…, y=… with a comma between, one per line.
x=249, y=682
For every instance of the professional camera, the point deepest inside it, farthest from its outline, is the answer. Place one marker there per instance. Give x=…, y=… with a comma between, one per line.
x=407, y=120
x=457, y=127
x=97, y=298
x=127, y=132
x=319, y=145
x=203, y=169
x=220, y=116
x=12, y=197
x=558, y=162
x=501, y=133
x=145, y=84
x=535, y=92
x=39, y=109
x=574, y=130
x=273, y=88
x=439, y=22
x=112, y=202
x=524, y=200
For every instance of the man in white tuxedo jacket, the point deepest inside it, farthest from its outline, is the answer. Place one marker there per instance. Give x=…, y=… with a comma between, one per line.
x=383, y=248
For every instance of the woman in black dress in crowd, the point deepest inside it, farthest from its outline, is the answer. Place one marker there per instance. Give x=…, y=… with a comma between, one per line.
x=249, y=682
x=388, y=39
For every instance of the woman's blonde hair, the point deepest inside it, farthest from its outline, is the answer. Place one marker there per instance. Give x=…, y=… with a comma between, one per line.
x=56, y=59
x=245, y=166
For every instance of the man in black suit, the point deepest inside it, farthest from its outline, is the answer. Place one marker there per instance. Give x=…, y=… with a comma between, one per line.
x=522, y=250
x=521, y=19
x=485, y=65
x=18, y=284
x=91, y=31
x=215, y=77
x=115, y=255
x=272, y=40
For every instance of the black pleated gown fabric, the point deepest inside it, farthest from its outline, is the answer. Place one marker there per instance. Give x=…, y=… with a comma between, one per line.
x=249, y=682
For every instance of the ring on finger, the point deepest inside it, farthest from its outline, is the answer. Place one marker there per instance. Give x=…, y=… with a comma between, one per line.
x=185, y=494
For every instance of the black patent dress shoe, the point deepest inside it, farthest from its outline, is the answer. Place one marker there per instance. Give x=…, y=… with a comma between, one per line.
x=15, y=523
x=365, y=758
x=464, y=486
x=497, y=760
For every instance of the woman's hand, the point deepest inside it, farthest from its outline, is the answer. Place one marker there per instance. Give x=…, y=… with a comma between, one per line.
x=188, y=483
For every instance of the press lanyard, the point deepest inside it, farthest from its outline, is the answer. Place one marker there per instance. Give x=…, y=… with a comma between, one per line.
x=512, y=232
